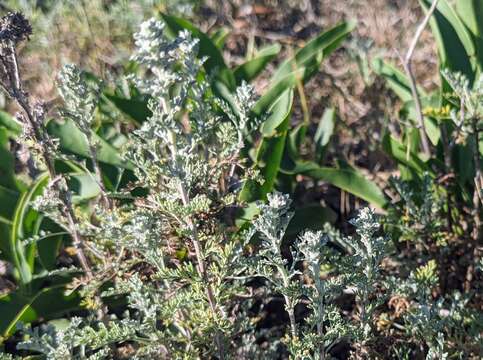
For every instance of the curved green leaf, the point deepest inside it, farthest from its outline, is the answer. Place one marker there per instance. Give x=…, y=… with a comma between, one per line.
x=455, y=46
x=312, y=54
x=471, y=13
x=22, y=255
x=135, y=109
x=324, y=132
x=48, y=302
x=279, y=111
x=14, y=128
x=219, y=37
x=396, y=79
x=9, y=193
x=311, y=217
x=270, y=151
x=275, y=91
x=399, y=152
x=83, y=186
x=346, y=178
x=250, y=69
x=7, y=170
x=74, y=141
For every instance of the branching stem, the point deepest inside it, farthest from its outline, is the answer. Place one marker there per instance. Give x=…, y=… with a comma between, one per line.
x=201, y=266
x=412, y=80
x=35, y=121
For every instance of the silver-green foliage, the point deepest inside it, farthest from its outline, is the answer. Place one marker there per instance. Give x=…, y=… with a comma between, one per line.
x=187, y=275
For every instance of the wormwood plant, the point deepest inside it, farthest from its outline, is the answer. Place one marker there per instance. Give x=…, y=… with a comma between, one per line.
x=181, y=155
x=170, y=253
x=324, y=326
x=419, y=216
x=164, y=268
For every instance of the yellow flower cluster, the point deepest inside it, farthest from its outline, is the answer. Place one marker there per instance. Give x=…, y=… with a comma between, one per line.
x=441, y=112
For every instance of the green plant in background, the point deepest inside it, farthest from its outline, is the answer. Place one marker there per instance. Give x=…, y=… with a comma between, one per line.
x=437, y=323
x=419, y=216
x=452, y=119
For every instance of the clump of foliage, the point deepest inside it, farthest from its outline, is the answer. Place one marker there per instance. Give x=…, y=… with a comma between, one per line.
x=174, y=246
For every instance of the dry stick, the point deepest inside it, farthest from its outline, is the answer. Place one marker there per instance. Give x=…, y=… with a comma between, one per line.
x=35, y=120
x=16, y=92
x=412, y=79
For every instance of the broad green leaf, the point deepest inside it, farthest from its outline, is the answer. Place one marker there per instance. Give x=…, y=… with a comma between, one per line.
x=22, y=227
x=432, y=129
x=347, y=178
x=278, y=113
x=311, y=217
x=399, y=152
x=9, y=194
x=275, y=91
x=270, y=151
x=246, y=214
x=250, y=69
x=135, y=109
x=295, y=140
x=324, y=132
x=48, y=302
x=7, y=170
x=471, y=13
x=8, y=200
x=312, y=54
x=14, y=128
x=219, y=37
x=455, y=46
x=462, y=164
x=83, y=186
x=48, y=247
x=214, y=63
x=396, y=79
x=72, y=140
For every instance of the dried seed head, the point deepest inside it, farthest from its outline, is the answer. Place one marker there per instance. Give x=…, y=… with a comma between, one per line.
x=14, y=27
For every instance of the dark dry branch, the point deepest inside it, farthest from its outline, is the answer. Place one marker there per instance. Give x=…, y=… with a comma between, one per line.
x=14, y=28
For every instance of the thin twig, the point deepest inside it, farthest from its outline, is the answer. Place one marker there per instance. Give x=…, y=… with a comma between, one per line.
x=412, y=79
x=33, y=116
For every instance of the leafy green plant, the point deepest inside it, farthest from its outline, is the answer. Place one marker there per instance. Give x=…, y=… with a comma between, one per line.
x=453, y=159
x=173, y=240
x=171, y=160
x=280, y=140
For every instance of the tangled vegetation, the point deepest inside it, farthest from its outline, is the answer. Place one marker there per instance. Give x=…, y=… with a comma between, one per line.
x=169, y=207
